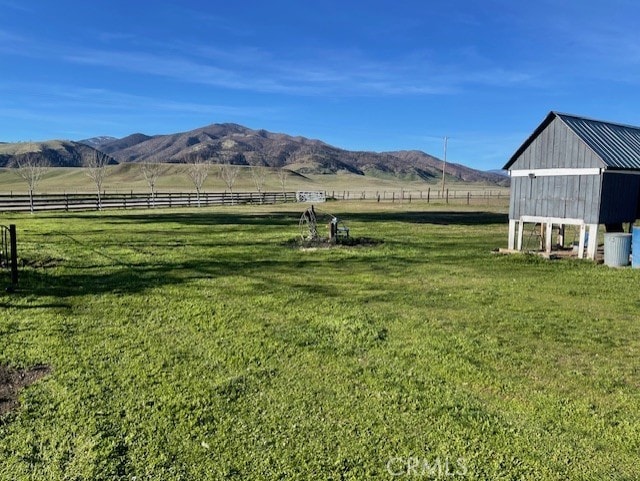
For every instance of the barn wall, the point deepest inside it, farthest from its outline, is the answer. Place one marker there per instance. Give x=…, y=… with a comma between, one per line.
x=556, y=147
x=620, y=195
x=570, y=196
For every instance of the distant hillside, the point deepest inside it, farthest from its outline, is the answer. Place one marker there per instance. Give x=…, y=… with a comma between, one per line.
x=97, y=142
x=59, y=153
x=240, y=145
x=232, y=143
x=117, y=145
x=429, y=166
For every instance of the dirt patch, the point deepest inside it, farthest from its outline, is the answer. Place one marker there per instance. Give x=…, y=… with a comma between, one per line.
x=12, y=380
x=304, y=245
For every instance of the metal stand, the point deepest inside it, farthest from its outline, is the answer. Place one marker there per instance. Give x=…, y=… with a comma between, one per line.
x=9, y=253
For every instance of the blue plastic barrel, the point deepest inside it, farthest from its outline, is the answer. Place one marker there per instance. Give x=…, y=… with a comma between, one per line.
x=635, y=247
x=617, y=247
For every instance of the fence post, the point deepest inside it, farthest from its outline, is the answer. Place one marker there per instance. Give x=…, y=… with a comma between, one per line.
x=14, y=254
x=447, y=196
x=468, y=197
x=428, y=194
x=66, y=202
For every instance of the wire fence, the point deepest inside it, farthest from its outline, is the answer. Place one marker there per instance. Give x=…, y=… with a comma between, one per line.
x=447, y=196
x=21, y=202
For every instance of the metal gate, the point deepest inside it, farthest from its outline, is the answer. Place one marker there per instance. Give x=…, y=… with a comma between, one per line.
x=8, y=251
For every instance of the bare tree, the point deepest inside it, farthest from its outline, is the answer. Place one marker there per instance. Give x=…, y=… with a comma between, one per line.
x=151, y=171
x=259, y=176
x=96, y=164
x=30, y=166
x=283, y=174
x=229, y=173
x=198, y=170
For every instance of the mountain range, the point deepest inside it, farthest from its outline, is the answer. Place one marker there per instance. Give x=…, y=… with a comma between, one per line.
x=235, y=144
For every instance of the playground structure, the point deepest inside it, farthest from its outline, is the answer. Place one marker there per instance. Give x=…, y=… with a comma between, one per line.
x=9, y=252
x=312, y=218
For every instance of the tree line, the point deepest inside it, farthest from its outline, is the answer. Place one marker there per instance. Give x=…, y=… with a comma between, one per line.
x=31, y=166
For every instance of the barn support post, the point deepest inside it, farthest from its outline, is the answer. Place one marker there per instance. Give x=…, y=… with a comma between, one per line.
x=547, y=238
x=561, y=235
x=592, y=246
x=520, y=234
x=583, y=230
x=512, y=234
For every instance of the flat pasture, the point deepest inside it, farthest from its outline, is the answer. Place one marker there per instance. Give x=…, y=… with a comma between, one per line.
x=203, y=344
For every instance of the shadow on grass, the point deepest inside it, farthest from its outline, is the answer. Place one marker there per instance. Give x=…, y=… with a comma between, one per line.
x=291, y=218
x=127, y=279
x=196, y=218
x=59, y=305
x=123, y=277
x=429, y=217
x=119, y=279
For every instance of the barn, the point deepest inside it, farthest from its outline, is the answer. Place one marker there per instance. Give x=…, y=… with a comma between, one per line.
x=574, y=171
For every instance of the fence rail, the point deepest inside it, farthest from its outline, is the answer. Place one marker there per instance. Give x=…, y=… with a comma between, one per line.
x=69, y=202
x=429, y=195
x=136, y=200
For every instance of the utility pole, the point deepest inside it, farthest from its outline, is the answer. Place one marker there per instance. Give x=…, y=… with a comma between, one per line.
x=444, y=163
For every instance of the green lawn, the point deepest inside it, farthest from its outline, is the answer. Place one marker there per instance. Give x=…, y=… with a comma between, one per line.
x=199, y=344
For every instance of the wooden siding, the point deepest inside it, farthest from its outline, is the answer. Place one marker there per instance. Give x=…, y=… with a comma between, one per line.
x=572, y=196
x=620, y=196
x=556, y=147
x=569, y=196
x=611, y=197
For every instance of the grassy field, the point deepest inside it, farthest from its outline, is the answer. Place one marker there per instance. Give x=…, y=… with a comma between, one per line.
x=127, y=177
x=201, y=344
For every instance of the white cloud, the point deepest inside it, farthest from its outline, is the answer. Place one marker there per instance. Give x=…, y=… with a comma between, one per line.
x=312, y=73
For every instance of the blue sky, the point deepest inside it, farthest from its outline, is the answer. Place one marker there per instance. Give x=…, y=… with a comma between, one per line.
x=362, y=75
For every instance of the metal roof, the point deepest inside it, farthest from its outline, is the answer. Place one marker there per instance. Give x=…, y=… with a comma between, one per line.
x=617, y=145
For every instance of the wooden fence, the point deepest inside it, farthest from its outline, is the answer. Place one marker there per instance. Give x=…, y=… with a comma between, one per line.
x=136, y=200
x=133, y=200
x=458, y=196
